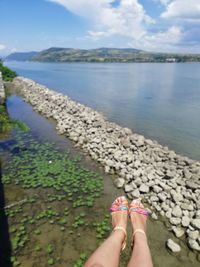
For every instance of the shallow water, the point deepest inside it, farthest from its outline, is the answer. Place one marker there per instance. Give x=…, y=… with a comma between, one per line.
x=160, y=101
x=67, y=246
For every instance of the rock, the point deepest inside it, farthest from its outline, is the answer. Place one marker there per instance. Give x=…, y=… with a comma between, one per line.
x=178, y=231
x=162, y=196
x=144, y=188
x=193, y=234
x=191, y=184
x=185, y=221
x=128, y=188
x=154, y=216
x=185, y=206
x=174, y=247
x=110, y=163
x=175, y=221
x=135, y=193
x=119, y=182
x=177, y=212
x=154, y=198
x=193, y=244
x=176, y=197
x=196, y=223
x=157, y=189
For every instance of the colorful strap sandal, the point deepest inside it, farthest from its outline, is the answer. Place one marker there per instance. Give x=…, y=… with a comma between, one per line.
x=136, y=206
x=120, y=204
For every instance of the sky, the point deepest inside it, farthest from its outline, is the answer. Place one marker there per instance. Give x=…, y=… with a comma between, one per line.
x=150, y=25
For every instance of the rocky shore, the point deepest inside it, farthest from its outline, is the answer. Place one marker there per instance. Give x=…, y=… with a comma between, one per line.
x=170, y=183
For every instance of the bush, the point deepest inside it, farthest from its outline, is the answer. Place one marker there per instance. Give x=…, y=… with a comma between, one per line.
x=7, y=74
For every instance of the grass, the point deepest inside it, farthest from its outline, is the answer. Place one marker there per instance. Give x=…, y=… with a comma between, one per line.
x=7, y=74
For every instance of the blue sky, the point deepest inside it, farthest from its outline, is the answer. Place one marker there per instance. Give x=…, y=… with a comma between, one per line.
x=152, y=25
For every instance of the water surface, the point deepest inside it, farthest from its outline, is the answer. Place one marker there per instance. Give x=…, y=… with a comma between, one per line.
x=160, y=101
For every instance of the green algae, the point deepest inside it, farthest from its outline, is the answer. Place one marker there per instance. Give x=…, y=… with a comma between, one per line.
x=59, y=193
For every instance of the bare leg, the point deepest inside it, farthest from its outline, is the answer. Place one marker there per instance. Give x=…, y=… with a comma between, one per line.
x=107, y=255
x=141, y=256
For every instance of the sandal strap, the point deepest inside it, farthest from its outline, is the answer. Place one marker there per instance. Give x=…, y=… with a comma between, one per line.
x=118, y=208
x=137, y=231
x=124, y=231
x=139, y=210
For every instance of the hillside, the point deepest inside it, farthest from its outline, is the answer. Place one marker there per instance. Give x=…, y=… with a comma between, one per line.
x=21, y=56
x=57, y=54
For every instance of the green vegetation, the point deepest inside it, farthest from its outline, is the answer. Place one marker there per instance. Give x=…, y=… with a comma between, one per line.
x=7, y=124
x=56, y=54
x=7, y=74
x=60, y=196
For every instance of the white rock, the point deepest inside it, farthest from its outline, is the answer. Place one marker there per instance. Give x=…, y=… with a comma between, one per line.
x=196, y=223
x=128, y=188
x=185, y=221
x=178, y=231
x=175, y=221
x=176, y=211
x=119, y=182
x=193, y=244
x=135, y=193
x=193, y=234
x=174, y=247
x=144, y=188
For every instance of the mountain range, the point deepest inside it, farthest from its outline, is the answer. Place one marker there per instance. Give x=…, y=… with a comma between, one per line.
x=58, y=54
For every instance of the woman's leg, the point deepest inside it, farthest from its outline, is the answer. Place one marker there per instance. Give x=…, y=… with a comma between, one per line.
x=141, y=256
x=107, y=255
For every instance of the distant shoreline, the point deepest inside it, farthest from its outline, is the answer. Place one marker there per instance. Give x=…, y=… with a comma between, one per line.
x=101, y=55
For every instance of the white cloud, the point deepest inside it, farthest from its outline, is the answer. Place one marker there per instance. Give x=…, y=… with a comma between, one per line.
x=2, y=47
x=127, y=20
x=186, y=9
x=161, y=41
x=164, y=2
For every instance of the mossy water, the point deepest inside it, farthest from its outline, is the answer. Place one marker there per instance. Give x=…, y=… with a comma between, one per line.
x=58, y=207
x=51, y=223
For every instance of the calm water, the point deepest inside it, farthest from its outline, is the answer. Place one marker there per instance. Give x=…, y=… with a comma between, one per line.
x=160, y=101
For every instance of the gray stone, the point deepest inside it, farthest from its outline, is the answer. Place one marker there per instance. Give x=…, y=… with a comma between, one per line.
x=196, y=223
x=162, y=196
x=128, y=188
x=157, y=189
x=119, y=182
x=193, y=244
x=176, y=197
x=135, y=193
x=193, y=234
x=185, y=221
x=144, y=188
x=174, y=247
x=178, y=231
x=176, y=211
x=154, y=216
x=191, y=184
x=175, y=221
x=186, y=206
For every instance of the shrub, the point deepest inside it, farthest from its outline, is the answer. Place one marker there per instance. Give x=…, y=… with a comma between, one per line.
x=7, y=74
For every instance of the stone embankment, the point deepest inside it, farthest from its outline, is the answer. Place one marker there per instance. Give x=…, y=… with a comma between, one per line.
x=170, y=183
x=2, y=90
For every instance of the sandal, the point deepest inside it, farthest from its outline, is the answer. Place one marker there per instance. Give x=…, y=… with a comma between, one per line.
x=115, y=207
x=136, y=206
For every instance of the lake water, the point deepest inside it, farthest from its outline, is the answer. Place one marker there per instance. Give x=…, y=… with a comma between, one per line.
x=160, y=101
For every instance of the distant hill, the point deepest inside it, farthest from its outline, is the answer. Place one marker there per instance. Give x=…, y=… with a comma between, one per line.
x=59, y=54
x=21, y=56
x=91, y=55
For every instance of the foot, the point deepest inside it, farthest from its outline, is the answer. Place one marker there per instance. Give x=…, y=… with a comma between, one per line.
x=138, y=215
x=119, y=212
